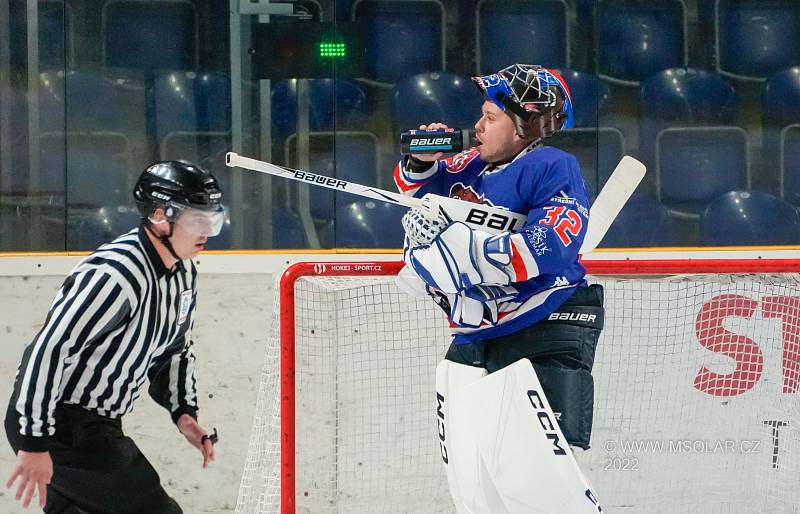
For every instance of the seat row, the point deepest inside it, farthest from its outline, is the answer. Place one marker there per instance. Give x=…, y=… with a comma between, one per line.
x=632, y=39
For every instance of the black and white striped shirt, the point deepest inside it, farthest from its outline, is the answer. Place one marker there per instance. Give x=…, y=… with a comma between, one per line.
x=120, y=318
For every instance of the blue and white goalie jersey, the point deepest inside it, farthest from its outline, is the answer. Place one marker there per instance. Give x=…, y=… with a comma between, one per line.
x=542, y=182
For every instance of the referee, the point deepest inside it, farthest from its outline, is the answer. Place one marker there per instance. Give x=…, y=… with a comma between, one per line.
x=122, y=316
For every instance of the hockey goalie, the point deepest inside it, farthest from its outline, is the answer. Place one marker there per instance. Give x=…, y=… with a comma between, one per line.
x=515, y=392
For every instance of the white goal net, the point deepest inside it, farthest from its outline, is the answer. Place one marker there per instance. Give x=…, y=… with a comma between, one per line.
x=697, y=394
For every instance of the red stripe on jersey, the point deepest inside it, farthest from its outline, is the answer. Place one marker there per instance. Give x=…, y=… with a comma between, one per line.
x=401, y=183
x=518, y=264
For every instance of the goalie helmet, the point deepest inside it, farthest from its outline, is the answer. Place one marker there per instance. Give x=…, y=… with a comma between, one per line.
x=531, y=95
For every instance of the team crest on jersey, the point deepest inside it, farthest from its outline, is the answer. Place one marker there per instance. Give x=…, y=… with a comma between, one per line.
x=457, y=163
x=186, y=302
x=466, y=193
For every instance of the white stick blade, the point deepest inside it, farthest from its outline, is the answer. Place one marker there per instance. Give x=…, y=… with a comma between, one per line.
x=619, y=188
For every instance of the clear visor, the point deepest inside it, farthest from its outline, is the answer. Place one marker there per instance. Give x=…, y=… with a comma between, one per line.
x=202, y=223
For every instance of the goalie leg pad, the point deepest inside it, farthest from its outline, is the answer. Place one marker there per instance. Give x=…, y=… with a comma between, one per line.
x=457, y=446
x=522, y=463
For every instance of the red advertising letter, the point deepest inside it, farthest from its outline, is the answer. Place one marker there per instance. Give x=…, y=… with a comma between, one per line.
x=713, y=336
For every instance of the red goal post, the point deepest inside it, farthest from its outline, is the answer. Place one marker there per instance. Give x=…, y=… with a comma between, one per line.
x=763, y=269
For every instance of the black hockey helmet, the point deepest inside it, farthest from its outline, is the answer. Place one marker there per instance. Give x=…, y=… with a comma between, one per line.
x=179, y=184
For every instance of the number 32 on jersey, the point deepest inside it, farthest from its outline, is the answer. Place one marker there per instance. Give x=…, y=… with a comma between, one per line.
x=566, y=222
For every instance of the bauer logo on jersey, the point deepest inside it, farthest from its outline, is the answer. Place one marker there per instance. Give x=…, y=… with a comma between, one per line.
x=186, y=302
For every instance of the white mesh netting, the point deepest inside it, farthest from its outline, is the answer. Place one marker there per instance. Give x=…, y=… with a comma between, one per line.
x=696, y=399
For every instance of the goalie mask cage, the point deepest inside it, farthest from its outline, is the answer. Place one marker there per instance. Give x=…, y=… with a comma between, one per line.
x=697, y=377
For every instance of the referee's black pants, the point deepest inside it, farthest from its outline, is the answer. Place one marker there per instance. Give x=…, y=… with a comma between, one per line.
x=96, y=468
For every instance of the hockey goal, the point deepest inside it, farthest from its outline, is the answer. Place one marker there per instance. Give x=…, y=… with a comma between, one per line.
x=697, y=391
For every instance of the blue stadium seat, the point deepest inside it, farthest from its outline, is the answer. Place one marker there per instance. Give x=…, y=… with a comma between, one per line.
x=782, y=98
x=696, y=164
x=755, y=38
x=635, y=40
x=439, y=96
x=334, y=104
x=192, y=102
x=150, y=34
x=89, y=154
x=790, y=164
x=56, y=35
x=88, y=228
x=402, y=38
x=117, y=101
x=350, y=156
x=287, y=230
x=750, y=218
x=642, y=222
x=368, y=224
x=781, y=108
x=681, y=97
x=590, y=97
x=193, y=119
x=532, y=31
x=598, y=151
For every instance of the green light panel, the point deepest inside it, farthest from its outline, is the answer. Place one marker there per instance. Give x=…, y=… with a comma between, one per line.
x=332, y=50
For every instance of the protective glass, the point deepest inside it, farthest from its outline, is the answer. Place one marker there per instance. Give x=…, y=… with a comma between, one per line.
x=202, y=223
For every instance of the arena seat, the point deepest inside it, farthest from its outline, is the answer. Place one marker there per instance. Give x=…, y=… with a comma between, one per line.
x=682, y=97
x=590, y=97
x=368, y=224
x=696, y=164
x=334, y=104
x=756, y=38
x=350, y=156
x=402, y=37
x=790, y=164
x=781, y=108
x=644, y=221
x=193, y=119
x=750, y=218
x=598, y=151
x=150, y=34
x=87, y=153
x=533, y=31
x=438, y=96
x=636, y=39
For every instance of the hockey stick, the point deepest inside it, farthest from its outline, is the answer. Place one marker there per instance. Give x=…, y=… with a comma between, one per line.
x=620, y=186
x=484, y=217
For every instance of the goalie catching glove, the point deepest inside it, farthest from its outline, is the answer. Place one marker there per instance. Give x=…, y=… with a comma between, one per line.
x=457, y=258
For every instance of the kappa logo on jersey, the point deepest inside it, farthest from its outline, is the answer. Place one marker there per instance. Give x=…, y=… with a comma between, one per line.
x=457, y=163
x=186, y=302
x=561, y=281
x=466, y=193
